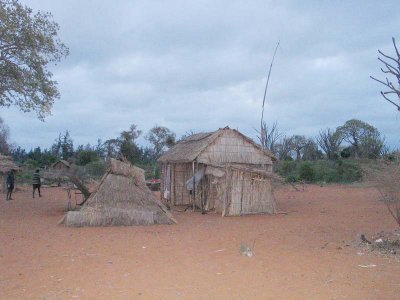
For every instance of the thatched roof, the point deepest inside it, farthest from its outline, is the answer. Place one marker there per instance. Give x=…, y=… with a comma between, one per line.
x=61, y=161
x=121, y=199
x=191, y=147
x=7, y=164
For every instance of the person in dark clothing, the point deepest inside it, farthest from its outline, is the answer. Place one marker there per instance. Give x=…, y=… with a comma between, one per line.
x=36, y=183
x=10, y=184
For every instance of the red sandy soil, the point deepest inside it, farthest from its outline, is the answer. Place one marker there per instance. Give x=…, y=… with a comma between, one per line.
x=306, y=254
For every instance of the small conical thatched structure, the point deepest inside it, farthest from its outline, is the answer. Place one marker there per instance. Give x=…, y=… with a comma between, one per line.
x=121, y=199
x=6, y=164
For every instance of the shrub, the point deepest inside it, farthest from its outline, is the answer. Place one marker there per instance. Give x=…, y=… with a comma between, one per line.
x=307, y=172
x=292, y=178
x=346, y=152
x=85, y=157
x=349, y=172
x=339, y=171
x=287, y=167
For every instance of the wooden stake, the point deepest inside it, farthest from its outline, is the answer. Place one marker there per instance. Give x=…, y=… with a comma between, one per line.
x=194, y=187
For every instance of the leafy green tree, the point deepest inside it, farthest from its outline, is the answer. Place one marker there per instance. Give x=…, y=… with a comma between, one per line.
x=56, y=147
x=373, y=146
x=63, y=146
x=86, y=156
x=37, y=157
x=5, y=146
x=28, y=44
x=19, y=154
x=364, y=138
x=100, y=149
x=127, y=144
x=67, y=146
x=161, y=138
x=111, y=148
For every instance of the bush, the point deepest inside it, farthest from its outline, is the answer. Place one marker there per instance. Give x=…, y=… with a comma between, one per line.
x=307, y=172
x=339, y=171
x=85, y=157
x=346, y=152
x=349, y=171
x=286, y=168
x=292, y=178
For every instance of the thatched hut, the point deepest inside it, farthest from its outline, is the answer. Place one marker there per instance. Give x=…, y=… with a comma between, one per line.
x=222, y=171
x=61, y=165
x=6, y=164
x=121, y=199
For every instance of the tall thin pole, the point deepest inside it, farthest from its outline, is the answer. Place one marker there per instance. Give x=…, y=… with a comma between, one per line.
x=194, y=186
x=265, y=94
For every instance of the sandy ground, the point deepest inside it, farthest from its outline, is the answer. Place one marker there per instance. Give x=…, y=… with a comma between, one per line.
x=306, y=254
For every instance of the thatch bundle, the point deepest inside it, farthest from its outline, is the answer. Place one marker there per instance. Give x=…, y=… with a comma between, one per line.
x=7, y=164
x=121, y=199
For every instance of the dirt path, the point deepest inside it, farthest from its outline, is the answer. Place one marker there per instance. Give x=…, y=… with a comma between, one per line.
x=306, y=254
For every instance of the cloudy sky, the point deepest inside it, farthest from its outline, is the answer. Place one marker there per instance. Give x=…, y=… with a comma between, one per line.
x=202, y=65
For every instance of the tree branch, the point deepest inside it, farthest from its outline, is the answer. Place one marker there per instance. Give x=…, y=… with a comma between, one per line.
x=384, y=96
x=387, y=56
x=395, y=47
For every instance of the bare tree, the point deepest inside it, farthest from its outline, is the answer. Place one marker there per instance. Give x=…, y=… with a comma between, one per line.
x=311, y=151
x=285, y=148
x=392, y=68
x=298, y=143
x=271, y=137
x=385, y=178
x=329, y=141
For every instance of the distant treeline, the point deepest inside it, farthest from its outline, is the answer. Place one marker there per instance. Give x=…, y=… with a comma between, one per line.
x=354, y=139
x=332, y=156
x=93, y=157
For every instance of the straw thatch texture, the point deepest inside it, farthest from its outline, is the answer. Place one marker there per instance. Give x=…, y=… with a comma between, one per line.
x=122, y=199
x=61, y=165
x=223, y=145
x=188, y=149
x=7, y=164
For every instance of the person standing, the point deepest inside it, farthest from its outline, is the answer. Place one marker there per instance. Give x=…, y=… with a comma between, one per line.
x=36, y=183
x=10, y=184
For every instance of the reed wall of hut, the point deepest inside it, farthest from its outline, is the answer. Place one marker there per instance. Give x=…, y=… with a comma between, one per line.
x=237, y=174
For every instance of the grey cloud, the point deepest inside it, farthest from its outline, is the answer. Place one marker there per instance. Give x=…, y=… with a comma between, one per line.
x=202, y=65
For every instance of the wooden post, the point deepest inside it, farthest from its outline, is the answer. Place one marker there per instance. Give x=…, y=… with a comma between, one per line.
x=194, y=187
x=241, y=194
x=162, y=184
x=228, y=194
